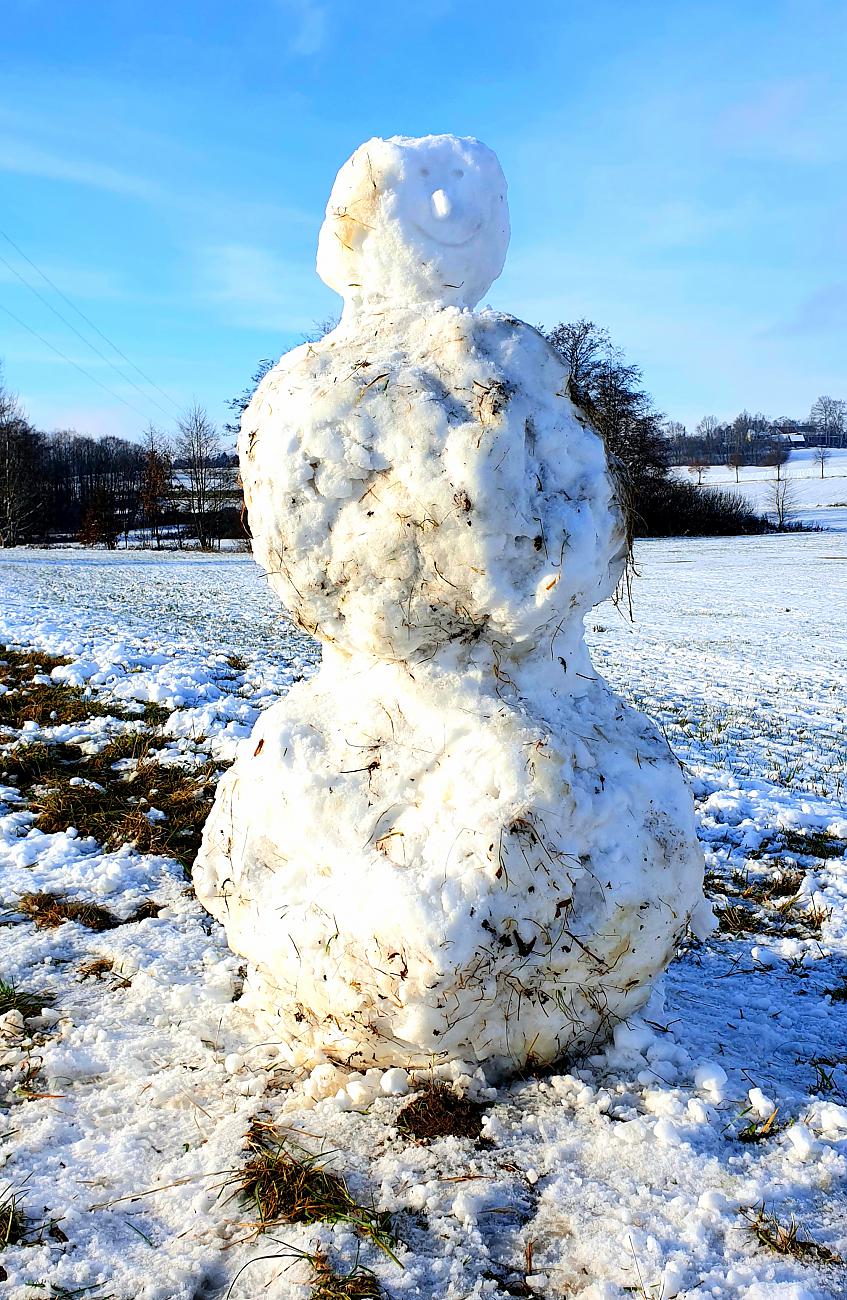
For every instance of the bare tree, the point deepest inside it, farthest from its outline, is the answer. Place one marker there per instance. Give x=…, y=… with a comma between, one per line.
x=783, y=501
x=735, y=460
x=19, y=496
x=156, y=481
x=822, y=456
x=198, y=451
x=777, y=457
x=698, y=466
x=829, y=416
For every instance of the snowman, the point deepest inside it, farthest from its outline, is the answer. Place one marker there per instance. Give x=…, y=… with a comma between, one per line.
x=455, y=841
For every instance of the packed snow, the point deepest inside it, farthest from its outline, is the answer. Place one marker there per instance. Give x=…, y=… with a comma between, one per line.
x=635, y=1171
x=455, y=842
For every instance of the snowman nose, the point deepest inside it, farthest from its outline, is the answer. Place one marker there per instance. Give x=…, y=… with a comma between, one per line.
x=441, y=205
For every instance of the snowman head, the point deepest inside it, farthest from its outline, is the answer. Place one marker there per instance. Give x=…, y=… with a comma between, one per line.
x=415, y=220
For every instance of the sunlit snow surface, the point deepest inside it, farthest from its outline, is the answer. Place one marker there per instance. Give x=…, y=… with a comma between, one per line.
x=620, y=1175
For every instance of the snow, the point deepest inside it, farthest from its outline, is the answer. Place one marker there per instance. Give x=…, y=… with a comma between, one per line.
x=816, y=502
x=415, y=219
x=739, y=651
x=455, y=841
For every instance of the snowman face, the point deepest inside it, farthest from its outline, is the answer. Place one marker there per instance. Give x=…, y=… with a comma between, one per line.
x=413, y=221
x=446, y=205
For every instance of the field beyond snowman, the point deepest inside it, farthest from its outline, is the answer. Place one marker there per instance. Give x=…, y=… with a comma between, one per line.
x=815, y=500
x=702, y=1154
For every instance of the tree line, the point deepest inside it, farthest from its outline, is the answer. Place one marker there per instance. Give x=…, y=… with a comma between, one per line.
x=68, y=486
x=62, y=486
x=753, y=439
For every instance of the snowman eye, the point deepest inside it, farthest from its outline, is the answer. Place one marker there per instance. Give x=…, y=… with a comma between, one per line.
x=424, y=171
x=458, y=172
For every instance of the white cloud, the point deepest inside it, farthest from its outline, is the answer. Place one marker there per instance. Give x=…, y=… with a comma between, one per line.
x=311, y=26
x=26, y=159
x=258, y=290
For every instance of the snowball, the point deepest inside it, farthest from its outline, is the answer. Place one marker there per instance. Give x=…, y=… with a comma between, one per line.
x=711, y=1077
x=395, y=1082
x=762, y=1105
x=802, y=1142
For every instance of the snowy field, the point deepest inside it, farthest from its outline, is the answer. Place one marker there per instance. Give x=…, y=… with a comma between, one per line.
x=815, y=501
x=702, y=1155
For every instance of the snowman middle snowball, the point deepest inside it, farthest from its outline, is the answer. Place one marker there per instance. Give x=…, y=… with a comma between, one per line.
x=454, y=841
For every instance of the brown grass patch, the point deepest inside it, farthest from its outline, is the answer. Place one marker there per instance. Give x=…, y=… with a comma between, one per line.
x=764, y=889
x=735, y=920
x=49, y=705
x=29, y=764
x=439, y=1112
x=51, y=910
x=96, y=968
x=116, y=813
x=53, y=703
x=286, y=1188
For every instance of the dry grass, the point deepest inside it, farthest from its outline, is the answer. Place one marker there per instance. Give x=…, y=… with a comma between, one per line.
x=115, y=813
x=813, y=844
x=735, y=920
x=13, y=1229
x=358, y=1284
x=29, y=764
x=53, y=703
x=96, y=968
x=764, y=889
x=17, y=664
x=785, y=1238
x=51, y=910
x=286, y=1188
x=438, y=1112
x=13, y=998
x=839, y=992
x=48, y=706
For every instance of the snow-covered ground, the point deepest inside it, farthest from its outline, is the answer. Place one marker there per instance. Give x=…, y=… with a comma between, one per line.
x=819, y=502
x=636, y=1172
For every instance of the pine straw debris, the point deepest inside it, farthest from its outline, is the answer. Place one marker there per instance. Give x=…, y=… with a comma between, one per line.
x=786, y=1239
x=50, y=910
x=287, y=1187
x=439, y=1112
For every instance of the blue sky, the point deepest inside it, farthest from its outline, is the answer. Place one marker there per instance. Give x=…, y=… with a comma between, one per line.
x=677, y=171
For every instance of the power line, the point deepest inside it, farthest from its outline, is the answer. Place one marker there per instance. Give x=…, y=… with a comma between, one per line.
x=90, y=322
x=93, y=346
x=70, y=362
